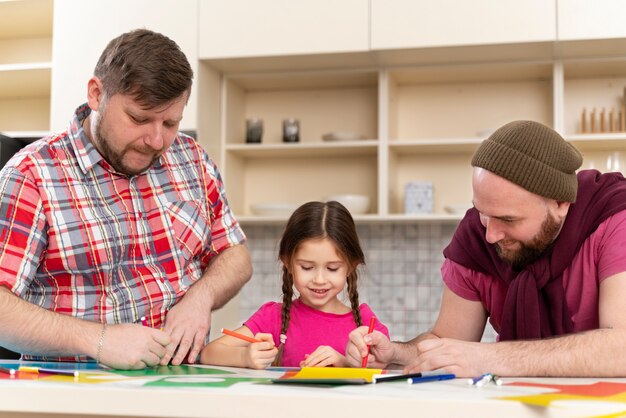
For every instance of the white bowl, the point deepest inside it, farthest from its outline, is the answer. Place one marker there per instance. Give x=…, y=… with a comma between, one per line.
x=273, y=209
x=342, y=136
x=460, y=208
x=357, y=204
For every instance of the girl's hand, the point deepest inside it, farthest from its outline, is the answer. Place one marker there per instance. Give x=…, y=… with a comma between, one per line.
x=261, y=355
x=382, y=350
x=324, y=356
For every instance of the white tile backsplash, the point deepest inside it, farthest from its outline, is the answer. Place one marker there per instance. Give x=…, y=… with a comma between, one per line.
x=401, y=280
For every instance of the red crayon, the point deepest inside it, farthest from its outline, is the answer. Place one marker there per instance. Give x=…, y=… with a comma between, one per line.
x=369, y=331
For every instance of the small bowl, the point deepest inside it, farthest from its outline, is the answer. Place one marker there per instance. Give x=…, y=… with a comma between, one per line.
x=342, y=136
x=457, y=209
x=357, y=204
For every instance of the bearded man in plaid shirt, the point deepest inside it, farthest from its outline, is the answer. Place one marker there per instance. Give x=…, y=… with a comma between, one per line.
x=116, y=237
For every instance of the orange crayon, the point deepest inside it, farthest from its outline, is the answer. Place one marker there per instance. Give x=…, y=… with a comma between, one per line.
x=240, y=336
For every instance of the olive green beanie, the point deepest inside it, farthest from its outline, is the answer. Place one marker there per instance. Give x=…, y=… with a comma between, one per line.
x=534, y=157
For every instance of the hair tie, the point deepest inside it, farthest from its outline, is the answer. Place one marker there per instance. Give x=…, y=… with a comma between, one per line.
x=283, y=338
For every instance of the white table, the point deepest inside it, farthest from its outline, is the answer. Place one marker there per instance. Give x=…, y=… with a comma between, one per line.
x=129, y=397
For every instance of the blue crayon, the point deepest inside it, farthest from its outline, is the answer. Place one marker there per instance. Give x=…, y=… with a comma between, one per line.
x=424, y=379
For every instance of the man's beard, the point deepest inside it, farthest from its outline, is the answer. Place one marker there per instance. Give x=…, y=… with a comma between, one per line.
x=116, y=159
x=531, y=251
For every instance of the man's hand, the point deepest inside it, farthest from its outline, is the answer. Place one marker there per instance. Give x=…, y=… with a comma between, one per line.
x=324, y=356
x=131, y=346
x=187, y=324
x=463, y=358
x=381, y=353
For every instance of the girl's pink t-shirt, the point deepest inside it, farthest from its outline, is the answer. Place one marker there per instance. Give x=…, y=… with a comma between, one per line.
x=602, y=255
x=308, y=328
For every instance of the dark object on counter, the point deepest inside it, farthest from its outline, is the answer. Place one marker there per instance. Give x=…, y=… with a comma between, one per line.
x=6, y=354
x=291, y=130
x=8, y=147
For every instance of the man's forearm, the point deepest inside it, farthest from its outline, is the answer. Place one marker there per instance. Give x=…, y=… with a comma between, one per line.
x=224, y=277
x=29, y=329
x=591, y=353
x=406, y=352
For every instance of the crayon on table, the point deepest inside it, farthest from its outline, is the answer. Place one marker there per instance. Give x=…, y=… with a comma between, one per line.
x=404, y=377
x=63, y=372
x=369, y=331
x=481, y=380
x=8, y=371
x=240, y=336
x=424, y=379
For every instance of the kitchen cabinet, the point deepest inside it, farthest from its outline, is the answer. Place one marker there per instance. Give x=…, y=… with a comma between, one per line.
x=77, y=46
x=422, y=95
x=419, y=24
x=323, y=102
x=437, y=116
x=585, y=20
x=242, y=28
x=419, y=123
x=25, y=67
x=597, y=86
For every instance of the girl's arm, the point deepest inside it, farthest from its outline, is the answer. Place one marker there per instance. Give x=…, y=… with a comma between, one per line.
x=232, y=351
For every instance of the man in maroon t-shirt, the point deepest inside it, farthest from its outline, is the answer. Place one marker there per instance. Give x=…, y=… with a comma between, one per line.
x=521, y=258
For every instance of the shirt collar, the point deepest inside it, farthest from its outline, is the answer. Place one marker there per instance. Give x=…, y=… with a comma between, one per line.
x=86, y=153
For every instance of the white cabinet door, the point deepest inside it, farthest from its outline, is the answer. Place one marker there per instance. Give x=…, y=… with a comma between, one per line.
x=427, y=23
x=244, y=28
x=82, y=29
x=584, y=19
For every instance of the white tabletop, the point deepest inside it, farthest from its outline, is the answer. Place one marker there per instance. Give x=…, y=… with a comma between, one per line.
x=247, y=393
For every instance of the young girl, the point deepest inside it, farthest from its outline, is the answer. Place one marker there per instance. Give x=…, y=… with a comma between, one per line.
x=320, y=252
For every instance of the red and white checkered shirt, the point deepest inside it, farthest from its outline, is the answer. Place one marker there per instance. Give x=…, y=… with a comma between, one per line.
x=80, y=239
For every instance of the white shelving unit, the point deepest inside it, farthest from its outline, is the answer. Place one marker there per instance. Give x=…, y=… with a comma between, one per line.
x=422, y=121
x=422, y=99
x=25, y=66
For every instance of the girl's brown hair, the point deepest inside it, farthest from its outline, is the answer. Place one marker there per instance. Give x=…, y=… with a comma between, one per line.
x=316, y=220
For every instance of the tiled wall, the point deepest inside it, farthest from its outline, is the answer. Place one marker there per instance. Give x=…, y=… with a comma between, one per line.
x=401, y=281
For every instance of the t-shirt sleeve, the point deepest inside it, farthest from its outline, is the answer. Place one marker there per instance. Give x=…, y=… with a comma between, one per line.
x=461, y=280
x=612, y=247
x=367, y=314
x=267, y=320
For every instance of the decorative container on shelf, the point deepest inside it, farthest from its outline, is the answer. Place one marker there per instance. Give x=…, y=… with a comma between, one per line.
x=418, y=197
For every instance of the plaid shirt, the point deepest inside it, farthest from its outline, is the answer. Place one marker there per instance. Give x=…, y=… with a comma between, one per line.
x=80, y=239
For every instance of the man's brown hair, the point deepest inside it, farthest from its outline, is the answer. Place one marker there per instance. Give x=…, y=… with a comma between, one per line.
x=147, y=65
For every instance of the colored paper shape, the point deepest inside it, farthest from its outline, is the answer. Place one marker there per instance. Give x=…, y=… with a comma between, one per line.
x=183, y=369
x=612, y=392
x=203, y=381
x=329, y=376
x=60, y=365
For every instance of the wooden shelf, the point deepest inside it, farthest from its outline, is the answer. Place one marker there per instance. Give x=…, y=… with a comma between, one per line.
x=25, y=65
x=435, y=146
x=599, y=142
x=348, y=148
x=364, y=219
x=25, y=80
